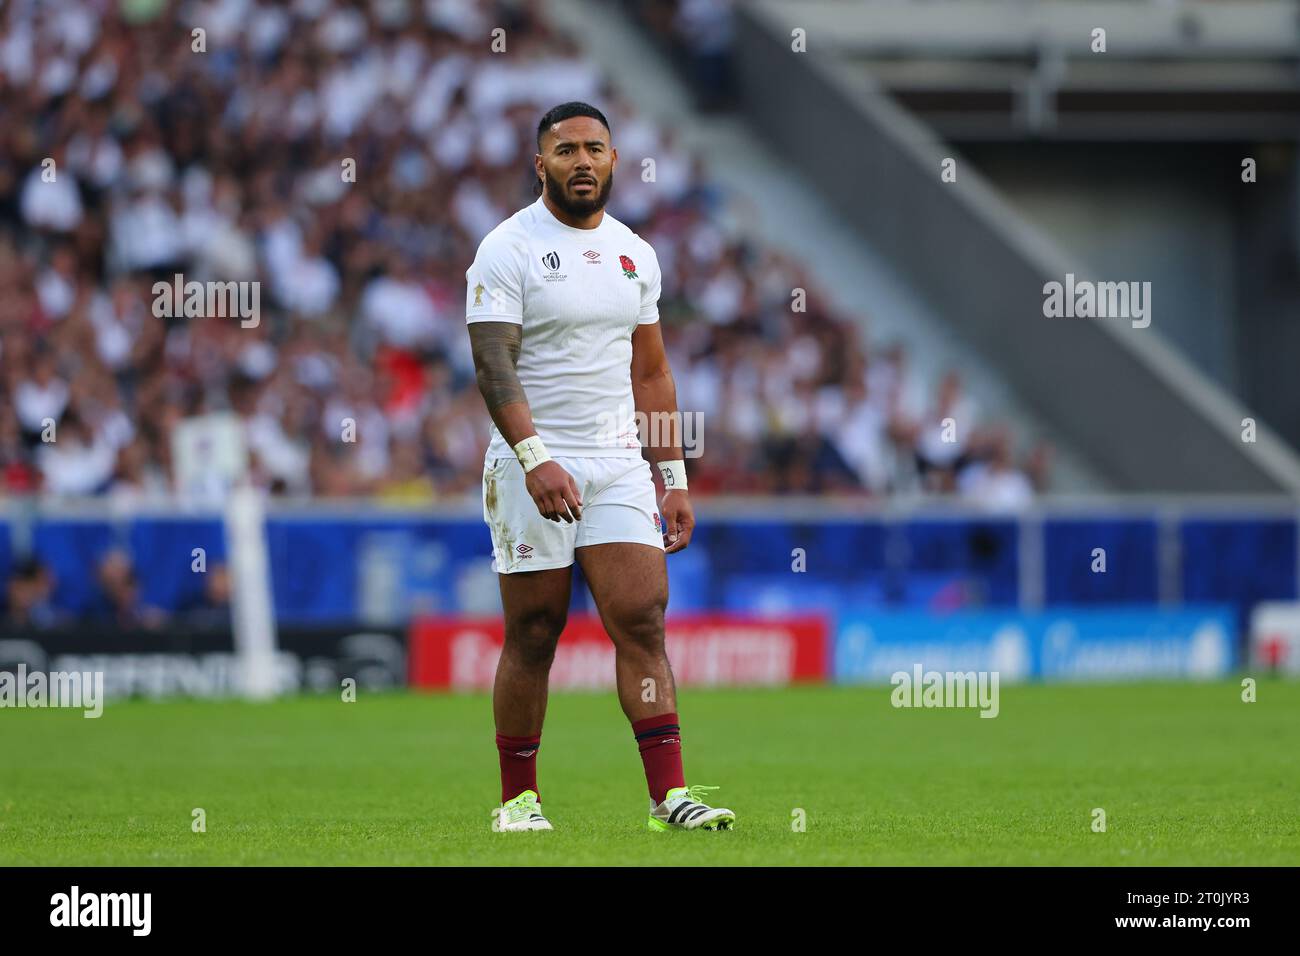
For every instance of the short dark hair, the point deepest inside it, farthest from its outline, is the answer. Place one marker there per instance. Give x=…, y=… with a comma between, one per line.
x=557, y=114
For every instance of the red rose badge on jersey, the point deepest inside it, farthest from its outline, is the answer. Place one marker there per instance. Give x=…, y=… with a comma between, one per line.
x=629, y=267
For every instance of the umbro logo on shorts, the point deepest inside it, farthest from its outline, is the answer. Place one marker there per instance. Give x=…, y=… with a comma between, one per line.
x=525, y=550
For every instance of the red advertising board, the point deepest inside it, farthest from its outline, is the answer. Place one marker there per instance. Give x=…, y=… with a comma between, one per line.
x=705, y=650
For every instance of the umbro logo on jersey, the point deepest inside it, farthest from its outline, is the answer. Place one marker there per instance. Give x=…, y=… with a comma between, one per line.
x=524, y=550
x=592, y=256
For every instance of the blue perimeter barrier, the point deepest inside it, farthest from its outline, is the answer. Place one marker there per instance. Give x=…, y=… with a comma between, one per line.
x=369, y=566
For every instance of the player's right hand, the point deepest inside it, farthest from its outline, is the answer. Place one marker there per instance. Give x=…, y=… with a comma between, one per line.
x=554, y=491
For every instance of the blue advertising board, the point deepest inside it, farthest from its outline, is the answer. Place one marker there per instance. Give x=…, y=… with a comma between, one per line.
x=1057, y=645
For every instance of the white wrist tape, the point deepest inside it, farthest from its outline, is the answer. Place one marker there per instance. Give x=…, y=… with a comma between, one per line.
x=531, y=453
x=674, y=475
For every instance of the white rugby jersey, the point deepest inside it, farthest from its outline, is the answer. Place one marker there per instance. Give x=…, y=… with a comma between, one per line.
x=579, y=294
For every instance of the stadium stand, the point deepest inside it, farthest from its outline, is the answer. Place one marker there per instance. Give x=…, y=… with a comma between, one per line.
x=225, y=165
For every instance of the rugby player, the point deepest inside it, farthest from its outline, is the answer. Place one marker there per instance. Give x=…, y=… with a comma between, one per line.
x=562, y=310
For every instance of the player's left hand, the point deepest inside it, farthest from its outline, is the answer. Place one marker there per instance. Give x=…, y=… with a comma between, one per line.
x=679, y=520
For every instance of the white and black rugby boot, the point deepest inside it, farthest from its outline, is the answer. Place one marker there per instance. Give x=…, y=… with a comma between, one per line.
x=683, y=809
x=520, y=813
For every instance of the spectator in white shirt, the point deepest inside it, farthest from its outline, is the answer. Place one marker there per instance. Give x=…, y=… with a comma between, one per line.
x=50, y=198
x=41, y=397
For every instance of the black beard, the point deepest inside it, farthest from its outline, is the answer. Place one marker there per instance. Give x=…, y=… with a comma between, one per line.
x=575, y=207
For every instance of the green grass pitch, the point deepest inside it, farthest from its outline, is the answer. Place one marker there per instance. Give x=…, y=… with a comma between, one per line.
x=1186, y=773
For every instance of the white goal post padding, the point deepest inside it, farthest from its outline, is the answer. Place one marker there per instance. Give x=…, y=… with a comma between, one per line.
x=253, y=611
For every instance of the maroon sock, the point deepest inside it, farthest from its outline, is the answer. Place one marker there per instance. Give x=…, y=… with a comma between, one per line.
x=518, y=765
x=660, y=741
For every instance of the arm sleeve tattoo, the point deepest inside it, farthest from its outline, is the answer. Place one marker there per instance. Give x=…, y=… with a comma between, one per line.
x=496, y=351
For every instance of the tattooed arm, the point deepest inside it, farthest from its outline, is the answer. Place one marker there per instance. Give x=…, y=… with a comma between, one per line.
x=496, y=352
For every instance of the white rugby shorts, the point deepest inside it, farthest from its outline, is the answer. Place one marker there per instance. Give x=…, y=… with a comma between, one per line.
x=618, y=504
